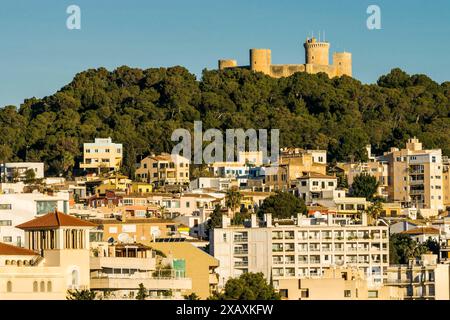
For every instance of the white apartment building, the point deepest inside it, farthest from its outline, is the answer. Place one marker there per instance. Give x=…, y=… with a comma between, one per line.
x=103, y=153
x=302, y=247
x=17, y=208
x=217, y=183
x=16, y=170
x=311, y=186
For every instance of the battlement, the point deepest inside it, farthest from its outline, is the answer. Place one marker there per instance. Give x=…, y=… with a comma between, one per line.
x=316, y=60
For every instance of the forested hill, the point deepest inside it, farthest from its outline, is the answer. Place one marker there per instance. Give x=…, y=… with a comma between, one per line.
x=140, y=108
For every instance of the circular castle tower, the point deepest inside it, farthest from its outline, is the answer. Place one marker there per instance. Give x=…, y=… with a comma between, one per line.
x=316, y=52
x=260, y=60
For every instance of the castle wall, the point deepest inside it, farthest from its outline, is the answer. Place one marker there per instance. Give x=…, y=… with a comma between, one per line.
x=227, y=63
x=285, y=70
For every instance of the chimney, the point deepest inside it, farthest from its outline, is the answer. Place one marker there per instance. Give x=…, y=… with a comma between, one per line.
x=254, y=222
x=299, y=219
x=268, y=219
x=330, y=218
x=225, y=221
x=364, y=219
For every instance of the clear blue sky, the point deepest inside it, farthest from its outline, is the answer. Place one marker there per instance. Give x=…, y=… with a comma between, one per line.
x=39, y=55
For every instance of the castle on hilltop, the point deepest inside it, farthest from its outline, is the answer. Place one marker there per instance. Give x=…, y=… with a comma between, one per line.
x=316, y=60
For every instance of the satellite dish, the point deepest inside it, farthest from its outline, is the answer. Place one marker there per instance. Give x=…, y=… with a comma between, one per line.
x=317, y=215
x=124, y=237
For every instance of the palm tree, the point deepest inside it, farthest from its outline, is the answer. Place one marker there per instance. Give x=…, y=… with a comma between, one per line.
x=374, y=210
x=233, y=199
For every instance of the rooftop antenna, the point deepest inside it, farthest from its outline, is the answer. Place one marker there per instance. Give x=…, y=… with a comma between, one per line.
x=324, y=36
x=319, y=36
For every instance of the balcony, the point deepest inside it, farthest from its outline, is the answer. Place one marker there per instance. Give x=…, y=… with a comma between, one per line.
x=240, y=239
x=132, y=281
x=97, y=263
x=241, y=264
x=240, y=251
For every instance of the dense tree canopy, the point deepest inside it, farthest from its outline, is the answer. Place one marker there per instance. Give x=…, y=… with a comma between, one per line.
x=249, y=286
x=402, y=248
x=282, y=205
x=364, y=185
x=140, y=108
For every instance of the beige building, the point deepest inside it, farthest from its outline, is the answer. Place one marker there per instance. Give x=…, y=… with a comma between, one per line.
x=316, y=60
x=164, y=169
x=336, y=283
x=415, y=177
x=422, y=279
x=55, y=260
x=446, y=180
x=103, y=153
x=300, y=161
x=299, y=248
x=200, y=266
x=118, y=270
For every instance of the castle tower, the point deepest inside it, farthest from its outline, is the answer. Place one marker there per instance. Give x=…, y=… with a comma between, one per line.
x=316, y=52
x=342, y=61
x=260, y=60
x=227, y=63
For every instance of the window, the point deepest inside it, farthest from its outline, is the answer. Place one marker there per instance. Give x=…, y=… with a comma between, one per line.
x=44, y=207
x=284, y=293
x=35, y=286
x=373, y=294
x=74, y=277
x=304, y=293
x=9, y=286
x=224, y=237
x=42, y=286
x=49, y=286
x=7, y=239
x=5, y=206
x=155, y=165
x=5, y=222
x=145, y=166
x=347, y=293
x=88, y=151
x=188, y=204
x=315, y=183
x=331, y=183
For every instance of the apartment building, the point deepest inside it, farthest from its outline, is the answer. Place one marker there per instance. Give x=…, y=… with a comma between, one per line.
x=55, y=259
x=268, y=178
x=311, y=186
x=216, y=183
x=336, y=283
x=102, y=153
x=299, y=161
x=200, y=266
x=16, y=171
x=446, y=181
x=17, y=208
x=422, y=278
x=415, y=177
x=302, y=247
x=163, y=169
x=117, y=270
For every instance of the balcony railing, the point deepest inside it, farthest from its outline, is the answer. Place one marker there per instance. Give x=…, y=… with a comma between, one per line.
x=240, y=251
x=241, y=263
x=240, y=239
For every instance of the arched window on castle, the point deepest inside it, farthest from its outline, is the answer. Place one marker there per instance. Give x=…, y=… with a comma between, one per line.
x=35, y=286
x=9, y=286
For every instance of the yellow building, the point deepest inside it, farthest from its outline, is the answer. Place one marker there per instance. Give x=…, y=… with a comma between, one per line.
x=316, y=60
x=337, y=283
x=200, y=266
x=141, y=187
x=163, y=169
x=300, y=161
x=56, y=259
x=103, y=153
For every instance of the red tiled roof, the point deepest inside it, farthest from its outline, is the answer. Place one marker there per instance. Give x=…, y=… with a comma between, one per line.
x=421, y=230
x=9, y=250
x=54, y=220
